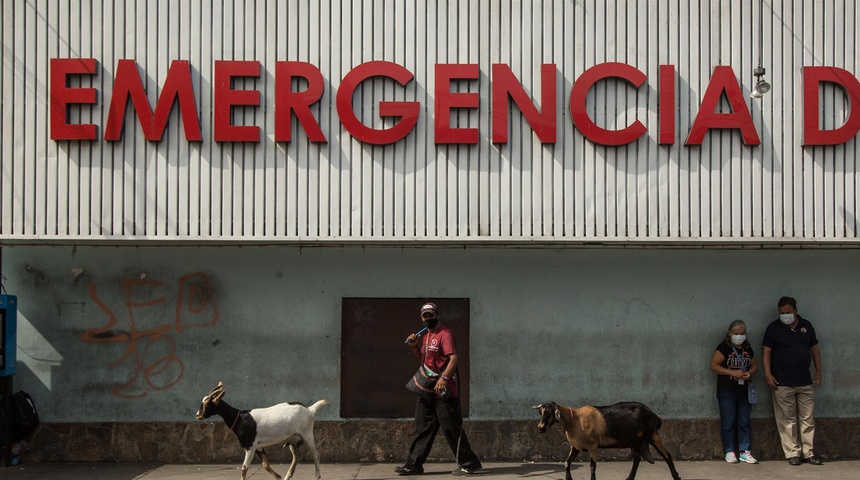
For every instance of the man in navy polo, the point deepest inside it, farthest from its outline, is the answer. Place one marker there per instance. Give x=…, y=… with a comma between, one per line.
x=788, y=346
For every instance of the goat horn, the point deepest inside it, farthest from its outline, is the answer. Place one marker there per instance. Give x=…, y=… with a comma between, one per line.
x=537, y=406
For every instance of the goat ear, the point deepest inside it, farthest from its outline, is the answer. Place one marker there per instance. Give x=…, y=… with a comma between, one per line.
x=537, y=406
x=558, y=414
x=216, y=389
x=217, y=397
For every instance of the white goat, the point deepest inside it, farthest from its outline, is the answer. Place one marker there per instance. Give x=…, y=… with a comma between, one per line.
x=290, y=423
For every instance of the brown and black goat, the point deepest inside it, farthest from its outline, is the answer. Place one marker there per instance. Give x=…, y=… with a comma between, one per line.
x=622, y=425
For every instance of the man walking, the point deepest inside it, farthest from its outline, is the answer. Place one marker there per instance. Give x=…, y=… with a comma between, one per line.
x=438, y=353
x=789, y=344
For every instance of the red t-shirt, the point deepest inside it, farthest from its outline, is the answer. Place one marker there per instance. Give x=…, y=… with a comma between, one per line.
x=436, y=346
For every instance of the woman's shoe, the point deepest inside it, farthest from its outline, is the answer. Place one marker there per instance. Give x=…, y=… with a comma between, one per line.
x=731, y=457
x=746, y=457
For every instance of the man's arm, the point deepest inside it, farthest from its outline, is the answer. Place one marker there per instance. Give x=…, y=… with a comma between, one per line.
x=765, y=361
x=415, y=345
x=816, y=359
x=450, y=368
x=452, y=365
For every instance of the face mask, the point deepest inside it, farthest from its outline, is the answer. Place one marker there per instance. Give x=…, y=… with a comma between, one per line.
x=739, y=339
x=786, y=318
x=431, y=323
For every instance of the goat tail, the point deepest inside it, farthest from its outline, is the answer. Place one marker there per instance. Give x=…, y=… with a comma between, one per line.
x=317, y=405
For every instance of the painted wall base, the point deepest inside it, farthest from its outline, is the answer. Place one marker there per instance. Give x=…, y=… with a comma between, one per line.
x=387, y=441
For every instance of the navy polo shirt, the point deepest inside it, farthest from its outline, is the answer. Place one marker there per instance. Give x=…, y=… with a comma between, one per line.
x=790, y=355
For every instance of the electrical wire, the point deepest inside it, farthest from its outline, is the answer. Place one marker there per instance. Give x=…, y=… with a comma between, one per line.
x=760, y=30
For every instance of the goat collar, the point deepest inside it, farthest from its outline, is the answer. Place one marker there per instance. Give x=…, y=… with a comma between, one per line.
x=238, y=413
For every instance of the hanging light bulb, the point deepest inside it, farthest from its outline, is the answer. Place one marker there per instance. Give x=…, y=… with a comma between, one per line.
x=761, y=86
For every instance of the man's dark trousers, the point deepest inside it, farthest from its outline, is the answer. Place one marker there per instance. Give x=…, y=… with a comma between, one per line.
x=430, y=415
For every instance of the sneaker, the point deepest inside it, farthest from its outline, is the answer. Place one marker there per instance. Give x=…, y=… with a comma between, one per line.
x=459, y=471
x=746, y=457
x=408, y=470
x=731, y=457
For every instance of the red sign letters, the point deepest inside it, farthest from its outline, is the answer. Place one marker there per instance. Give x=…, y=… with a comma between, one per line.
x=178, y=89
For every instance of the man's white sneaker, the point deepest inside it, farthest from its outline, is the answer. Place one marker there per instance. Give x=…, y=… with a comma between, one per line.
x=731, y=457
x=747, y=457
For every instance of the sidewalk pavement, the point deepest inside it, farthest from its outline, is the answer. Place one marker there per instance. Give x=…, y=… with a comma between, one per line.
x=610, y=470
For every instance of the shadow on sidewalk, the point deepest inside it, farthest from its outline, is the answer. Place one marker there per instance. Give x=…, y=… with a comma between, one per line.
x=528, y=470
x=82, y=471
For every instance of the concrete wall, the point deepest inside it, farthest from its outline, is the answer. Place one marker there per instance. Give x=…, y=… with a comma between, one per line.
x=571, y=325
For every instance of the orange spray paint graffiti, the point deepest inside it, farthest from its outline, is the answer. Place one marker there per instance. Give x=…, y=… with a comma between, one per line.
x=151, y=349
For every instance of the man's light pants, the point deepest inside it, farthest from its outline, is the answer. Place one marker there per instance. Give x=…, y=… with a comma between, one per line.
x=793, y=408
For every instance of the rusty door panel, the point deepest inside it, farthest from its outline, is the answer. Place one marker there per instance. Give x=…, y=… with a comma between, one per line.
x=376, y=364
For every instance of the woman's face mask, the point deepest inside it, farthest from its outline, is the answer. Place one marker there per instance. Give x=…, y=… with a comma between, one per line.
x=786, y=318
x=739, y=339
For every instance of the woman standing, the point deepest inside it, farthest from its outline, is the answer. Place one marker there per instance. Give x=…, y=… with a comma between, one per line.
x=734, y=363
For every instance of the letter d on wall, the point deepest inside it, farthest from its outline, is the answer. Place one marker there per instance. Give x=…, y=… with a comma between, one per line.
x=812, y=78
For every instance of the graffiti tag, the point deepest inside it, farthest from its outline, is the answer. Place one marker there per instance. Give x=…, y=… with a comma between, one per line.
x=151, y=349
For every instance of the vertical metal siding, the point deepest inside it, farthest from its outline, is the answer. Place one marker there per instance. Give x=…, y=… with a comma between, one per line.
x=414, y=190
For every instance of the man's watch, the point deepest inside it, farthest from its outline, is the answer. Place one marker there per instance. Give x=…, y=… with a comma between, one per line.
x=444, y=377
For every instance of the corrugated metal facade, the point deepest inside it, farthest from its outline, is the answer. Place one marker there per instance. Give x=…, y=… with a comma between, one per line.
x=414, y=190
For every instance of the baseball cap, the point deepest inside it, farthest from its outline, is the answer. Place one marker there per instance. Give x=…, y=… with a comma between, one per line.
x=428, y=308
